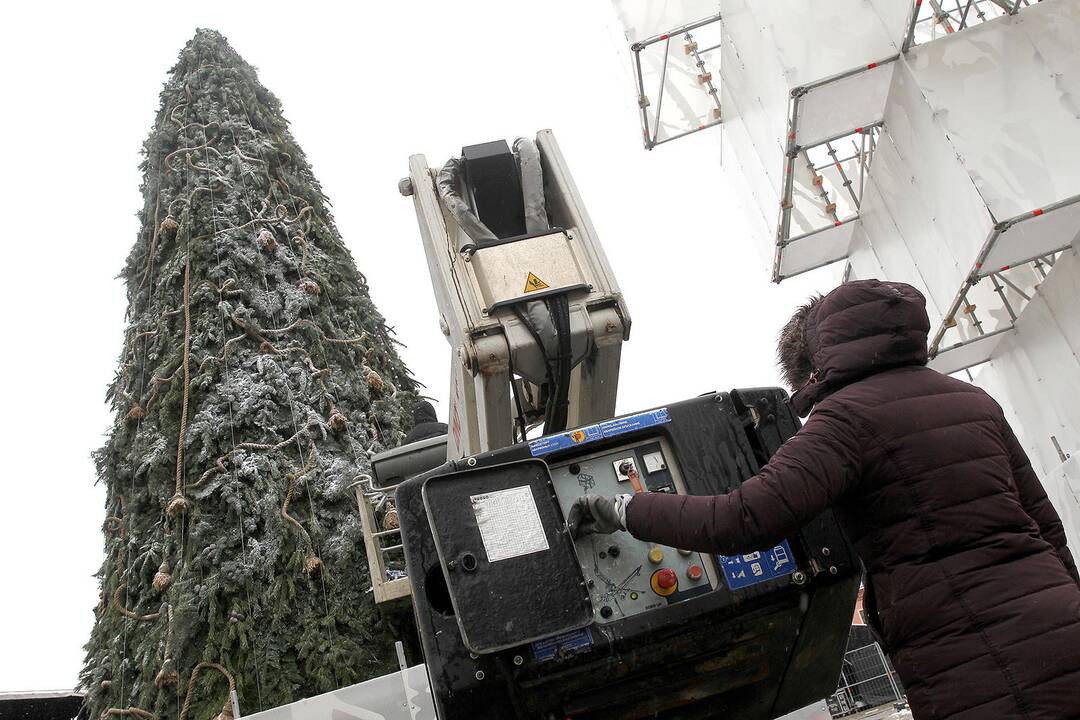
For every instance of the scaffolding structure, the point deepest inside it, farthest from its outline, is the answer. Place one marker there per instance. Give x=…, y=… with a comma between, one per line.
x=931, y=142
x=676, y=66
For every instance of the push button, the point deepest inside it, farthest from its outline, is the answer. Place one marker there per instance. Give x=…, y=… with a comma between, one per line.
x=656, y=555
x=664, y=582
x=694, y=573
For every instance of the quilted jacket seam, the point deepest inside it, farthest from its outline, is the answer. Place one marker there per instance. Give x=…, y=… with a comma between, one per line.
x=918, y=504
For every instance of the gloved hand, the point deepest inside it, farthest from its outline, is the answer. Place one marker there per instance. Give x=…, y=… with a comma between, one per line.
x=597, y=514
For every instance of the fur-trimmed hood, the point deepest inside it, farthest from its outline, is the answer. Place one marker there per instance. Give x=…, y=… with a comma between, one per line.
x=858, y=329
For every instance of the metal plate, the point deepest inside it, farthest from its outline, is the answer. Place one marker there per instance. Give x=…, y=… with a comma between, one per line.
x=816, y=249
x=838, y=107
x=618, y=568
x=508, y=560
x=525, y=269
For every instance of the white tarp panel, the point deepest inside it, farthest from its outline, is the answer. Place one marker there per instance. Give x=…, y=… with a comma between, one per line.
x=816, y=40
x=1011, y=111
x=757, y=94
x=839, y=107
x=1036, y=236
x=895, y=17
x=820, y=248
x=1035, y=371
x=933, y=202
x=1063, y=488
x=390, y=697
x=890, y=252
x=643, y=19
x=771, y=48
x=751, y=187
x=863, y=263
x=678, y=100
x=968, y=354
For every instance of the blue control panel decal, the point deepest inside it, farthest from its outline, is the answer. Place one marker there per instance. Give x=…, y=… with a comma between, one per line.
x=592, y=433
x=744, y=570
x=562, y=645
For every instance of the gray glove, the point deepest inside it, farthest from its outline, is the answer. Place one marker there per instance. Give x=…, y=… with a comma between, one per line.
x=597, y=514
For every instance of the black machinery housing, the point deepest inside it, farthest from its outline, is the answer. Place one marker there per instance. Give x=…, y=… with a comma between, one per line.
x=755, y=653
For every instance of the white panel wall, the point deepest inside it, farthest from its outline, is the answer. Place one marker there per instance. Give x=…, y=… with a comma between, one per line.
x=895, y=16
x=836, y=108
x=1007, y=95
x=769, y=48
x=642, y=19
x=816, y=40
x=1035, y=373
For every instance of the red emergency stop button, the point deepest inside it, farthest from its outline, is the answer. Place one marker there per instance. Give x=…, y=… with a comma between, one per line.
x=694, y=572
x=664, y=582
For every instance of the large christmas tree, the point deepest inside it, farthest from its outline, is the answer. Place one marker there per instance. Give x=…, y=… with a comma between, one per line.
x=256, y=380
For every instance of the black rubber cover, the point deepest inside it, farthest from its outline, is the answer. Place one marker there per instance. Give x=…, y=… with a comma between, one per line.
x=499, y=604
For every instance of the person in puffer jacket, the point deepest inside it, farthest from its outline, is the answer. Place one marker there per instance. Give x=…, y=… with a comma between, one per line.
x=968, y=578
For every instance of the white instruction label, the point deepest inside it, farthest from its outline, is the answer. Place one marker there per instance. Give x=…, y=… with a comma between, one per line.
x=509, y=523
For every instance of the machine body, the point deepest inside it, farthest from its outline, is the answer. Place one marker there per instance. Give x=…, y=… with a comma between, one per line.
x=647, y=631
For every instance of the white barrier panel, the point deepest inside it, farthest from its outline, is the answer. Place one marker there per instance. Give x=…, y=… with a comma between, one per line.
x=402, y=695
x=1035, y=371
x=933, y=202
x=1007, y=93
x=1034, y=237
x=813, y=40
x=885, y=243
x=895, y=17
x=677, y=76
x=827, y=56
x=838, y=107
x=1063, y=488
x=643, y=19
x=817, y=249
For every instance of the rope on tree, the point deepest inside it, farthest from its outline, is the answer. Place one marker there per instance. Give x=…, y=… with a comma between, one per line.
x=128, y=613
x=178, y=503
x=167, y=675
x=312, y=561
x=219, y=464
x=226, y=710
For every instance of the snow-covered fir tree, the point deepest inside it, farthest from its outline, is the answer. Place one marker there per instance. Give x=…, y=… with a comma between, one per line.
x=255, y=381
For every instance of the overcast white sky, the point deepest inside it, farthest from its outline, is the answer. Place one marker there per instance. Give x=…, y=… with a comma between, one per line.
x=365, y=85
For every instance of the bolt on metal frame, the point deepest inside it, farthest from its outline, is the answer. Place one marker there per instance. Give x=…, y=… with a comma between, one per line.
x=706, y=73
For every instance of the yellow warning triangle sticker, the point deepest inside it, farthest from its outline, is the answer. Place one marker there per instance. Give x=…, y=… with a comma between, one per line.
x=533, y=283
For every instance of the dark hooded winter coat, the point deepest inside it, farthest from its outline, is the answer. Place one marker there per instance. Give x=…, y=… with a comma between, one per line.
x=425, y=423
x=969, y=580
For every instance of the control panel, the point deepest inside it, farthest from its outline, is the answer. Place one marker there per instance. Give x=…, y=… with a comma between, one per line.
x=626, y=576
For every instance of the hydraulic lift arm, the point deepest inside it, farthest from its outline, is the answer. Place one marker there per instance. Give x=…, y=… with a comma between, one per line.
x=523, y=287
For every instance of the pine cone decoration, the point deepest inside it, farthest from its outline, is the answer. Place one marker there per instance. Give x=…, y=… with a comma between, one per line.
x=337, y=422
x=266, y=240
x=135, y=414
x=162, y=578
x=374, y=381
x=390, y=520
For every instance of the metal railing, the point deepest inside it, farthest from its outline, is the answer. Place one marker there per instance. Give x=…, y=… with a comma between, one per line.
x=386, y=583
x=867, y=680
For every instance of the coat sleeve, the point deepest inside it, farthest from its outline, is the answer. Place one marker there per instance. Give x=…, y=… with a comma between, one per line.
x=804, y=477
x=1033, y=498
